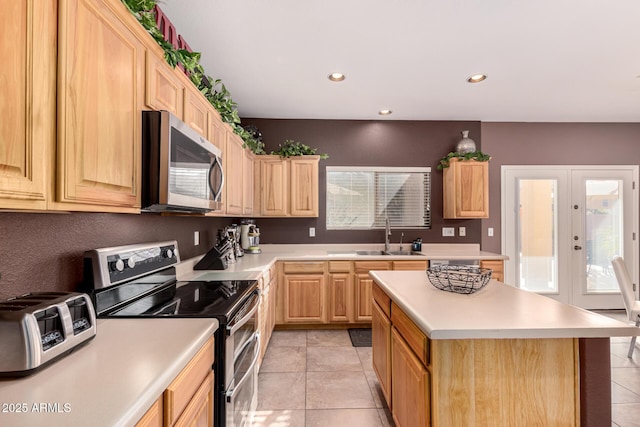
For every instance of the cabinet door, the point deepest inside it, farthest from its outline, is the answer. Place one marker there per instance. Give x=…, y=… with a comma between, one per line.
x=381, y=350
x=304, y=298
x=303, y=193
x=196, y=110
x=340, y=297
x=218, y=137
x=410, y=265
x=153, y=417
x=27, y=103
x=273, y=187
x=466, y=189
x=100, y=99
x=247, y=183
x=497, y=267
x=163, y=89
x=364, y=284
x=234, y=174
x=199, y=412
x=410, y=393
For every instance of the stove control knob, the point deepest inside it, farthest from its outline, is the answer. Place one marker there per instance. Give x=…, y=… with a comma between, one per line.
x=168, y=253
x=116, y=265
x=131, y=263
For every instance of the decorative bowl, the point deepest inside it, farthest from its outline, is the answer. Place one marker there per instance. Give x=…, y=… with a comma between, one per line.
x=461, y=279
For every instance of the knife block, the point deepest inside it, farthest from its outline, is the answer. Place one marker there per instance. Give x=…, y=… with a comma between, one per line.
x=213, y=260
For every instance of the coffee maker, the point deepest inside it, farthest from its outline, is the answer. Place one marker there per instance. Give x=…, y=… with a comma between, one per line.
x=250, y=237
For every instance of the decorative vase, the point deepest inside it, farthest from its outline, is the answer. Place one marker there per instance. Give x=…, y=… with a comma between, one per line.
x=466, y=144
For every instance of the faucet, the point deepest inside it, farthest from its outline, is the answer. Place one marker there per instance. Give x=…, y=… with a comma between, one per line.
x=387, y=233
x=401, y=237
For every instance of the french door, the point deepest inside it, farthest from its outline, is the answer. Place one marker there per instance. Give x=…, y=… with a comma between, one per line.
x=563, y=224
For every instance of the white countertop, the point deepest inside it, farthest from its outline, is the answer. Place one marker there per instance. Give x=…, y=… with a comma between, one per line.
x=496, y=311
x=252, y=266
x=112, y=380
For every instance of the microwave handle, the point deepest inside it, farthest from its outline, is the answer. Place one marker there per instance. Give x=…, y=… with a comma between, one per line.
x=216, y=192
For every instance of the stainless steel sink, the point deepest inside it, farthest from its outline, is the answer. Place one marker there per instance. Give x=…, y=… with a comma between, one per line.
x=404, y=253
x=371, y=253
x=388, y=253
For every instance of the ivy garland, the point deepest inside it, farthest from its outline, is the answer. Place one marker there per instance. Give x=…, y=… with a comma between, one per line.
x=291, y=148
x=475, y=155
x=214, y=90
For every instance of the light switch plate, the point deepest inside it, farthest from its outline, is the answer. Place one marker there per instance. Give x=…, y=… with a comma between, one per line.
x=490, y=231
x=312, y=232
x=462, y=231
x=448, y=231
x=196, y=238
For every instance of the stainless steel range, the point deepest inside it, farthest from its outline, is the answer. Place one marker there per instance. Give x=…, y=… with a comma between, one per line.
x=140, y=281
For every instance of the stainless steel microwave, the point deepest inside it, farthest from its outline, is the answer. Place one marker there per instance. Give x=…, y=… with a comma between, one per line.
x=181, y=170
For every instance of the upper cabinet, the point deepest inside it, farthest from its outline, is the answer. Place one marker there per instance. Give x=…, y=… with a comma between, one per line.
x=286, y=187
x=27, y=104
x=100, y=99
x=466, y=189
x=233, y=174
x=164, y=90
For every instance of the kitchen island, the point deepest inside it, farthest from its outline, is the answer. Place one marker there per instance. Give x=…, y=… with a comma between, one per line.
x=500, y=356
x=112, y=380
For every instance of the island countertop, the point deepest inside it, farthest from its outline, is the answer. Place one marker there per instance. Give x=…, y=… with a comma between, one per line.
x=496, y=311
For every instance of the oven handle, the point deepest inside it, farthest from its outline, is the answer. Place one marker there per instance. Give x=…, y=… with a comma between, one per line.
x=230, y=394
x=232, y=328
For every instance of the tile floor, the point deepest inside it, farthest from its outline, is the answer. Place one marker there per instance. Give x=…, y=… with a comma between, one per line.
x=316, y=378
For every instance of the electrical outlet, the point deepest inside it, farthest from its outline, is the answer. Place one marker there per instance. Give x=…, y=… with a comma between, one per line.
x=462, y=231
x=196, y=238
x=448, y=231
x=312, y=232
x=490, y=231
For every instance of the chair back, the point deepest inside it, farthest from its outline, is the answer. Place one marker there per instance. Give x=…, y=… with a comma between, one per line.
x=625, y=283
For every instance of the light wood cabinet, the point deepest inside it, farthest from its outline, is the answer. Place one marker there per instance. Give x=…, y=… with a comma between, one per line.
x=196, y=110
x=341, y=297
x=100, y=97
x=303, y=194
x=247, y=182
x=466, y=189
x=497, y=267
x=163, y=89
x=363, y=284
x=410, y=386
x=286, y=187
x=381, y=349
x=234, y=154
x=266, y=310
x=27, y=106
x=188, y=400
x=153, y=417
x=410, y=265
x=304, y=296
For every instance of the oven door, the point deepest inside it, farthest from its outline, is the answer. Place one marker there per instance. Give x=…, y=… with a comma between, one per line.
x=242, y=392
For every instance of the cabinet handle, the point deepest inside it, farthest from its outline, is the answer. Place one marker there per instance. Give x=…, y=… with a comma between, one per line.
x=577, y=248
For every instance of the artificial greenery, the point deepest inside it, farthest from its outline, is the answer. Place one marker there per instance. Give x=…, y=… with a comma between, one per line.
x=214, y=90
x=475, y=155
x=291, y=148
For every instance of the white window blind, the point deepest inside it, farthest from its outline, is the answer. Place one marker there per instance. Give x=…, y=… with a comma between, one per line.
x=361, y=197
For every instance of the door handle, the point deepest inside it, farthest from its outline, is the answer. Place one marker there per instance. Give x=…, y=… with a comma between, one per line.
x=577, y=248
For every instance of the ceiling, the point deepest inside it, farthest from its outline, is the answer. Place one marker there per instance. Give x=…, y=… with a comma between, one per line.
x=546, y=60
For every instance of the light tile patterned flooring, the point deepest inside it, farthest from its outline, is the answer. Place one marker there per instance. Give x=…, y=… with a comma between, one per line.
x=316, y=378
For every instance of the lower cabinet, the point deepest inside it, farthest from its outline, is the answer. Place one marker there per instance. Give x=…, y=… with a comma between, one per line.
x=381, y=350
x=188, y=400
x=497, y=266
x=315, y=292
x=267, y=311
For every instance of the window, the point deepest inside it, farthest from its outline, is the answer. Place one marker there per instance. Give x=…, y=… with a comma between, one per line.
x=359, y=198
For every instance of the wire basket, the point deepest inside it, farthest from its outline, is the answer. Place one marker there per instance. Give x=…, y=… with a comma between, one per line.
x=461, y=279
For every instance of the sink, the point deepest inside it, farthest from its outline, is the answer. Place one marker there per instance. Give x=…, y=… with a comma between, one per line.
x=404, y=253
x=388, y=253
x=371, y=253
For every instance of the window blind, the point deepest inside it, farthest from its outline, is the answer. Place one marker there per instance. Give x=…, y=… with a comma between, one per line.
x=362, y=197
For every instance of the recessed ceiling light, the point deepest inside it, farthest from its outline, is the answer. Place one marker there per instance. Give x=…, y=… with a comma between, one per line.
x=336, y=77
x=477, y=78
x=385, y=112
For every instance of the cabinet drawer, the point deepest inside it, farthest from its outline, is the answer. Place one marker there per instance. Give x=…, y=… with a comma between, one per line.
x=410, y=265
x=303, y=267
x=382, y=299
x=199, y=411
x=497, y=267
x=366, y=266
x=153, y=417
x=339, y=266
x=415, y=338
x=182, y=389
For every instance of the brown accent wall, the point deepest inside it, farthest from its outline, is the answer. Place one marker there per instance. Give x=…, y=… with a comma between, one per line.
x=43, y=251
x=368, y=143
x=551, y=144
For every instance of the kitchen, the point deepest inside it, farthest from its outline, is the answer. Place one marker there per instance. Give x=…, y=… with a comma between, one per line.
x=43, y=251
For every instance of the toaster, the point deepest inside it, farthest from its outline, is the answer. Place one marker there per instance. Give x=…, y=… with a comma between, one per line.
x=41, y=327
